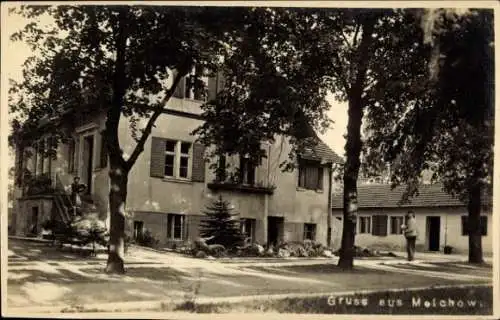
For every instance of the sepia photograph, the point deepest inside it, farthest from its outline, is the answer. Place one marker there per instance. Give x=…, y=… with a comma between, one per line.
x=236, y=159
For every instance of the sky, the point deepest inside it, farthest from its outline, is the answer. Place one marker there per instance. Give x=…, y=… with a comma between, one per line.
x=15, y=53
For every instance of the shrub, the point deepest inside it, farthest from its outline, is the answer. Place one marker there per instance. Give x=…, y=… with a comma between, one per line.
x=80, y=231
x=251, y=250
x=201, y=254
x=216, y=250
x=61, y=232
x=90, y=229
x=41, y=184
x=147, y=239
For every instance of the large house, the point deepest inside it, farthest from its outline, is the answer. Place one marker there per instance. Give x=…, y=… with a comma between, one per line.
x=172, y=181
x=441, y=219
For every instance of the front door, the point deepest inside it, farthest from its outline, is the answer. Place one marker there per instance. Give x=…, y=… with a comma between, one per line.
x=434, y=228
x=88, y=165
x=275, y=227
x=33, y=223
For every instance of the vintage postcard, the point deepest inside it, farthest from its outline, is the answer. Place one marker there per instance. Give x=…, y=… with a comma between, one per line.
x=190, y=160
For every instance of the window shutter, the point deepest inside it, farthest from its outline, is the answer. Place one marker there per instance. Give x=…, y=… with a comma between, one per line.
x=320, y=178
x=302, y=177
x=185, y=227
x=157, y=161
x=379, y=225
x=311, y=177
x=76, y=155
x=71, y=155
x=179, y=90
x=170, y=224
x=198, y=172
x=212, y=88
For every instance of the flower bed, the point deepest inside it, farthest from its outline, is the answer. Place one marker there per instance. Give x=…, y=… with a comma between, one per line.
x=284, y=250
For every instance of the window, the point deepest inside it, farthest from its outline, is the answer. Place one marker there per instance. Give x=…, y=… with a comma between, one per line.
x=247, y=171
x=184, y=159
x=35, y=158
x=310, y=176
x=365, y=224
x=189, y=89
x=221, y=168
x=103, y=163
x=52, y=151
x=379, y=225
x=175, y=225
x=177, y=159
x=247, y=227
x=138, y=229
x=309, y=231
x=71, y=155
x=483, y=223
x=41, y=158
x=396, y=223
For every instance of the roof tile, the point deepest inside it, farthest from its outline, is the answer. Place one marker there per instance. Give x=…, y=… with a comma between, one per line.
x=381, y=196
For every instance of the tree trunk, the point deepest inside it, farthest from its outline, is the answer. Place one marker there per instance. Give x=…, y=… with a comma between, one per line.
x=117, y=196
x=353, y=143
x=118, y=170
x=351, y=171
x=474, y=225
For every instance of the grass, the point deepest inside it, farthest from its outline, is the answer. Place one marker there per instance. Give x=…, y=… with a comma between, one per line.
x=425, y=301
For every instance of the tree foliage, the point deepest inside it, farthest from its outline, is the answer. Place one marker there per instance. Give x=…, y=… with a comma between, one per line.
x=373, y=59
x=275, y=84
x=221, y=225
x=448, y=130
x=113, y=61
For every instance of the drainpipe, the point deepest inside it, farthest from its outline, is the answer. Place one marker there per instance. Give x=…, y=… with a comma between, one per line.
x=266, y=196
x=329, y=208
x=446, y=230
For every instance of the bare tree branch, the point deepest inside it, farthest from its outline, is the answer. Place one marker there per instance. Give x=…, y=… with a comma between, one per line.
x=158, y=109
x=348, y=44
x=355, y=39
x=340, y=72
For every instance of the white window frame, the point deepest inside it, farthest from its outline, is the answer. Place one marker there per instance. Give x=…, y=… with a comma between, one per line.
x=170, y=153
x=171, y=226
x=177, y=159
x=243, y=228
x=136, y=230
x=389, y=222
x=314, y=231
x=245, y=171
x=369, y=231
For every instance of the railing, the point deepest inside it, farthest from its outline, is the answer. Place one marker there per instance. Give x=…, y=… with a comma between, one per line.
x=63, y=200
x=61, y=208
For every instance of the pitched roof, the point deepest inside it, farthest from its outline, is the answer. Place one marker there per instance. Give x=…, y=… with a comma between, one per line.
x=321, y=151
x=381, y=196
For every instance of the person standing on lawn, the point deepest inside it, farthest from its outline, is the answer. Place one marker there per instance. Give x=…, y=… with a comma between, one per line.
x=410, y=232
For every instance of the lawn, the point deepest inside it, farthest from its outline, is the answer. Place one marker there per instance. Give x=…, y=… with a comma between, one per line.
x=449, y=301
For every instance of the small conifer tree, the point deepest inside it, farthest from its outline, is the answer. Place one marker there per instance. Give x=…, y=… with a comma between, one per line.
x=221, y=225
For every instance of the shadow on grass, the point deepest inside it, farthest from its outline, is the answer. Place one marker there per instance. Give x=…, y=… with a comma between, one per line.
x=150, y=273
x=36, y=251
x=56, y=276
x=319, y=269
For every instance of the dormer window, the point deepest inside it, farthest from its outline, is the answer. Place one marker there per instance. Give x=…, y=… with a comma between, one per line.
x=310, y=175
